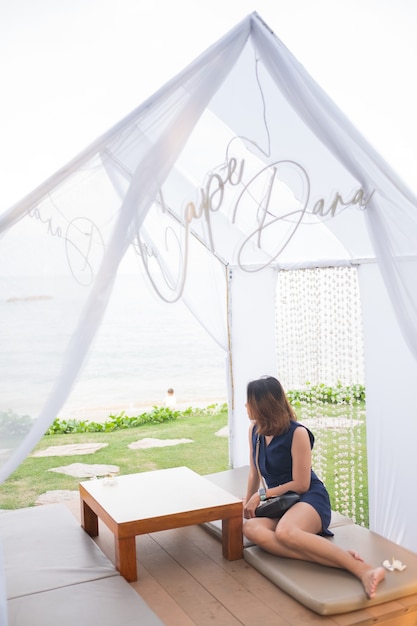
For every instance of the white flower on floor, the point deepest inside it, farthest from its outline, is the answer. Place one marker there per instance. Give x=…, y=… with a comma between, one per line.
x=394, y=565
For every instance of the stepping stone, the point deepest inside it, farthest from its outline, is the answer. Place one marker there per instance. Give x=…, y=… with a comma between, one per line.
x=71, y=449
x=148, y=442
x=223, y=432
x=82, y=470
x=58, y=495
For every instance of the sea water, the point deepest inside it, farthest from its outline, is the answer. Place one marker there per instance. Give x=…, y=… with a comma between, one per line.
x=143, y=347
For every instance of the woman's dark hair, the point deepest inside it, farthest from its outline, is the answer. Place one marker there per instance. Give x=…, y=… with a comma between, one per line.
x=267, y=404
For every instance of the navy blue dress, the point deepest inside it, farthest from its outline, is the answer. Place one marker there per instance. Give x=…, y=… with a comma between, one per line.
x=275, y=463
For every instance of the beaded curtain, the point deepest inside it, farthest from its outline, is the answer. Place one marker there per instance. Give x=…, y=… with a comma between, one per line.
x=321, y=365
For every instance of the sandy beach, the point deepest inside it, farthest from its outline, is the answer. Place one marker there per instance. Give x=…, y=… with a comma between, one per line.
x=102, y=413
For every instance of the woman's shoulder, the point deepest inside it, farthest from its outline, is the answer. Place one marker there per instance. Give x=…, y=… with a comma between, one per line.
x=295, y=424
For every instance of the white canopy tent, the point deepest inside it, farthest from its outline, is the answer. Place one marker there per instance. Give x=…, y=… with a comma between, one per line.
x=237, y=168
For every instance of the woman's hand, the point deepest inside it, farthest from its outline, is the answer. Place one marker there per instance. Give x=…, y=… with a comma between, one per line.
x=249, y=506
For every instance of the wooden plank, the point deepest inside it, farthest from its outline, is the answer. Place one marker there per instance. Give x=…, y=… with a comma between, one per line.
x=409, y=602
x=247, y=608
x=354, y=618
x=164, y=605
x=405, y=620
x=392, y=611
x=185, y=580
x=193, y=598
x=277, y=606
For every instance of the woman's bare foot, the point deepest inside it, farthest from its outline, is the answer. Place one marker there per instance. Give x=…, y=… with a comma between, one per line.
x=371, y=580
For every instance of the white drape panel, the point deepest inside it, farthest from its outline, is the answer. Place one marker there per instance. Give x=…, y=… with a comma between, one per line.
x=391, y=415
x=197, y=276
x=391, y=214
x=163, y=127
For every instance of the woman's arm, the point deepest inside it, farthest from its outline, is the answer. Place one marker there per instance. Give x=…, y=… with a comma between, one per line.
x=301, y=460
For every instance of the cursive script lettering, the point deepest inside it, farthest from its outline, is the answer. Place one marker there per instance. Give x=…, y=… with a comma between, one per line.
x=212, y=194
x=276, y=200
x=174, y=284
x=264, y=217
x=36, y=214
x=84, y=244
x=358, y=198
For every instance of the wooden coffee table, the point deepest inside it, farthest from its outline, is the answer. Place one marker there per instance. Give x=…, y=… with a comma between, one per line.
x=136, y=504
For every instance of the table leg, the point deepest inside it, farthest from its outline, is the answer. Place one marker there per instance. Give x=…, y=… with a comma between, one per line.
x=89, y=520
x=125, y=551
x=232, y=538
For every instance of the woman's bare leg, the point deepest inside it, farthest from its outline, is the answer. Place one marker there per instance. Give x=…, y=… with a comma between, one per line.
x=295, y=537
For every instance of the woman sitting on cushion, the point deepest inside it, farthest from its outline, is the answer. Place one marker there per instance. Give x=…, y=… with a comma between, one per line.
x=284, y=459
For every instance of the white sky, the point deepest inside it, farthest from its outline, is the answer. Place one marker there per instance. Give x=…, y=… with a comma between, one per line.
x=71, y=69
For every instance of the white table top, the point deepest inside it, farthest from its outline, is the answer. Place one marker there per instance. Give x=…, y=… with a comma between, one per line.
x=154, y=494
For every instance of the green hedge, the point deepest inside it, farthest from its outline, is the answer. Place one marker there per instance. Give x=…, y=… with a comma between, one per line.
x=13, y=425
x=340, y=394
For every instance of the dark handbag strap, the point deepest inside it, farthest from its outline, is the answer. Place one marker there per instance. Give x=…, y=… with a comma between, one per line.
x=261, y=478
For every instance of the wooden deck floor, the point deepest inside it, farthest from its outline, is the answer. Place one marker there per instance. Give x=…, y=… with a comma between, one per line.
x=185, y=580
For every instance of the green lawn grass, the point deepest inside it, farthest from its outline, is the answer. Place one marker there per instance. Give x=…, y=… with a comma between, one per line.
x=207, y=454
x=339, y=456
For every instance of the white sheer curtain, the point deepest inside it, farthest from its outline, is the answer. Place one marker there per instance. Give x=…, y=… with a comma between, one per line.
x=147, y=144
x=185, y=270
x=391, y=213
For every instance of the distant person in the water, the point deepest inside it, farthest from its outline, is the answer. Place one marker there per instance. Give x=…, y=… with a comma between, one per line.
x=170, y=400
